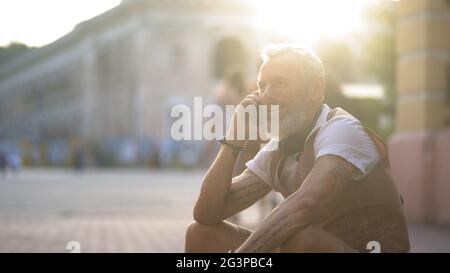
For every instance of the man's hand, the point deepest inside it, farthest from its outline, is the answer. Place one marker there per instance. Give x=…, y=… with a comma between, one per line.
x=221, y=195
x=235, y=126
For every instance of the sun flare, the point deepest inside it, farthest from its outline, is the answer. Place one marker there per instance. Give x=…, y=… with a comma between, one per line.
x=308, y=20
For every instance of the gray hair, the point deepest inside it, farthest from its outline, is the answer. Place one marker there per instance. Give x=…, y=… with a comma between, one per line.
x=311, y=64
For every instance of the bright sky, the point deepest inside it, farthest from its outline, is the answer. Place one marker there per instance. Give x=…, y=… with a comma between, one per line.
x=309, y=20
x=39, y=22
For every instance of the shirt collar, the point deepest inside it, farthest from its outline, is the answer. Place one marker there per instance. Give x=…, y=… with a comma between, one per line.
x=320, y=120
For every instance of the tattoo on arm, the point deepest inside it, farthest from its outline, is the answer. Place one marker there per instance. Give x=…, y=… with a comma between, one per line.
x=340, y=174
x=273, y=232
x=249, y=193
x=272, y=237
x=281, y=224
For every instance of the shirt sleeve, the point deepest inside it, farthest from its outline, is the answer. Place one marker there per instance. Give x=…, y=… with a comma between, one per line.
x=347, y=138
x=260, y=164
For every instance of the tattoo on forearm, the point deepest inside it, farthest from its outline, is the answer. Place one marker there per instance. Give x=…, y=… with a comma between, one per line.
x=266, y=239
x=248, y=193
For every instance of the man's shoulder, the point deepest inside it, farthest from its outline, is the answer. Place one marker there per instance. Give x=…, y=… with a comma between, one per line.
x=345, y=136
x=341, y=123
x=343, y=132
x=337, y=114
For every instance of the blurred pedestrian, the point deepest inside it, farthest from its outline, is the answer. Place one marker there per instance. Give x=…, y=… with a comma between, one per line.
x=3, y=163
x=79, y=157
x=14, y=161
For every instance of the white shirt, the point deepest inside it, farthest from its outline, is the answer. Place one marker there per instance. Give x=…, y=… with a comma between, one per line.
x=341, y=136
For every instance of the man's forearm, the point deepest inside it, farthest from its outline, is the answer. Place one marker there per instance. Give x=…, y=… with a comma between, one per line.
x=275, y=229
x=325, y=182
x=216, y=186
x=217, y=182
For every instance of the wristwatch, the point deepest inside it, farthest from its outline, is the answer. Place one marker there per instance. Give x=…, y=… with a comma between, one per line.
x=236, y=149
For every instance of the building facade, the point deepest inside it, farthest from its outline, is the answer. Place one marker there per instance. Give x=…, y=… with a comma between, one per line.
x=116, y=75
x=420, y=148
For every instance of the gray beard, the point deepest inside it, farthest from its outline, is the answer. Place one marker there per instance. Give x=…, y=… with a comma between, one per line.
x=294, y=122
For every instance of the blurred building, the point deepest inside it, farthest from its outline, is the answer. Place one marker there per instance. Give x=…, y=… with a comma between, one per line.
x=116, y=76
x=420, y=149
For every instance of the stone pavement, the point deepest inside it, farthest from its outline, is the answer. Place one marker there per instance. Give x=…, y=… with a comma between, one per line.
x=106, y=211
x=41, y=210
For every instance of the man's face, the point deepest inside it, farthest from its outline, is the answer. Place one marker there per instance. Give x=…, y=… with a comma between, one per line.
x=280, y=83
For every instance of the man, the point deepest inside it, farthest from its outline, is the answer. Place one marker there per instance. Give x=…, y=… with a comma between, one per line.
x=331, y=170
x=3, y=163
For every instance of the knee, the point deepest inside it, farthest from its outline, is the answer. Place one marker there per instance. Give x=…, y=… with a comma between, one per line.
x=197, y=236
